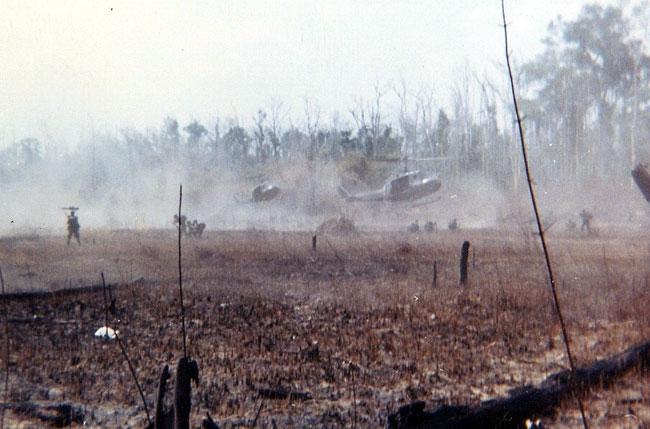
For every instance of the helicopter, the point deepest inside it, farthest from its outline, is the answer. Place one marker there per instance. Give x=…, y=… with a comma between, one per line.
x=265, y=192
x=261, y=193
x=642, y=179
x=406, y=186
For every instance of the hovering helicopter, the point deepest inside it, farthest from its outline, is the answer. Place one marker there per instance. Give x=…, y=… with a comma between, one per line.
x=265, y=192
x=405, y=187
x=642, y=179
x=261, y=193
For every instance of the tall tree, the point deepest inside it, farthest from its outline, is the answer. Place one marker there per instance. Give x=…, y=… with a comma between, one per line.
x=589, y=84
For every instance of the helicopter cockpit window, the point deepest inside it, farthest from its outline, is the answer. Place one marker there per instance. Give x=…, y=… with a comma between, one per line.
x=400, y=184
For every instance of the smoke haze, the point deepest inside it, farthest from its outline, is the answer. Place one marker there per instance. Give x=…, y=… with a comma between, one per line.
x=112, y=106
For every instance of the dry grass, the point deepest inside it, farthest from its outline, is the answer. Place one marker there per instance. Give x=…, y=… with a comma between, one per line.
x=264, y=311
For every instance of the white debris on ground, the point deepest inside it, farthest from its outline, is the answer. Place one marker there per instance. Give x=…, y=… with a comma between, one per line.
x=106, y=333
x=537, y=424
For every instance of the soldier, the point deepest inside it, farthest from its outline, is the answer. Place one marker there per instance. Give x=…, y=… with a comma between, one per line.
x=431, y=226
x=182, y=222
x=586, y=221
x=73, y=227
x=199, y=229
x=453, y=225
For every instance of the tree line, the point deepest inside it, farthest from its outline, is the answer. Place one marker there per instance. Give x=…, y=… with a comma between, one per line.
x=585, y=97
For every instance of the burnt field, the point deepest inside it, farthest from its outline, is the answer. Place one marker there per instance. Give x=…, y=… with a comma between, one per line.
x=354, y=329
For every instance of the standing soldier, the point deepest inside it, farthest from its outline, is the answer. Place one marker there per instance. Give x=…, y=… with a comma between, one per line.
x=73, y=225
x=586, y=221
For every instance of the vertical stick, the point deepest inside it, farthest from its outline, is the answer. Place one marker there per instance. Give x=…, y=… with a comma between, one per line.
x=549, y=268
x=354, y=396
x=135, y=377
x=435, y=274
x=473, y=257
x=6, y=353
x=180, y=272
x=464, y=256
x=105, y=303
x=113, y=301
x=257, y=415
x=313, y=243
x=123, y=350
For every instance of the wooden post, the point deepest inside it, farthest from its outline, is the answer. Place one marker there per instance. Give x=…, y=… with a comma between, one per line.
x=313, y=243
x=434, y=284
x=464, y=256
x=163, y=419
x=186, y=371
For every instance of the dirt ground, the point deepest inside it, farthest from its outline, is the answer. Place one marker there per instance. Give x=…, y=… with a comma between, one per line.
x=358, y=324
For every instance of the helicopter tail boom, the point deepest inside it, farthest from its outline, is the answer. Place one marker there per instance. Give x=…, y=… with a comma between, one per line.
x=345, y=194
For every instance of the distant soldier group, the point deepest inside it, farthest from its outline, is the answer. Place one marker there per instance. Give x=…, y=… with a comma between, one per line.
x=414, y=227
x=428, y=227
x=586, y=218
x=191, y=228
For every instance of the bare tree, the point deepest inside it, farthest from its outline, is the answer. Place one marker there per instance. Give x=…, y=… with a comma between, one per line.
x=368, y=118
x=427, y=110
x=312, y=118
x=278, y=116
x=261, y=152
x=408, y=119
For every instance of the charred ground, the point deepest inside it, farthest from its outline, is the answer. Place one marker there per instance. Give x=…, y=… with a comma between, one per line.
x=357, y=319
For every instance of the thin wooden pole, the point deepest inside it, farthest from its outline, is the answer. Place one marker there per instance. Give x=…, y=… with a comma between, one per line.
x=6, y=353
x=533, y=199
x=180, y=272
x=105, y=303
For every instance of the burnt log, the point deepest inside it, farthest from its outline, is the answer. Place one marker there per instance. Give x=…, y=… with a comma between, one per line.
x=74, y=292
x=524, y=403
x=57, y=415
x=208, y=423
x=283, y=393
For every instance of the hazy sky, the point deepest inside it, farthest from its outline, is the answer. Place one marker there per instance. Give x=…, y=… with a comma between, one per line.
x=67, y=66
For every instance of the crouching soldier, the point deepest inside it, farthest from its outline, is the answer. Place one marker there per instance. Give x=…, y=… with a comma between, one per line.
x=431, y=226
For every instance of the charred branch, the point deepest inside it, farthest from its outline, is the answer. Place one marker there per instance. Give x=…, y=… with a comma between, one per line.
x=58, y=415
x=511, y=412
x=208, y=423
x=283, y=393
